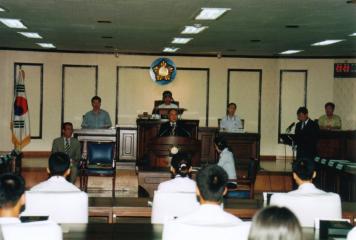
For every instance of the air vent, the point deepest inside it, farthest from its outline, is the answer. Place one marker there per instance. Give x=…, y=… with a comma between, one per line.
x=292, y=26
x=255, y=40
x=104, y=21
x=107, y=37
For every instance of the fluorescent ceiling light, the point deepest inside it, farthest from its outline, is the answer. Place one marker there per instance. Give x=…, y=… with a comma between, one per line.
x=30, y=34
x=168, y=49
x=193, y=29
x=291, y=51
x=327, y=42
x=211, y=13
x=46, y=45
x=181, y=40
x=2, y=9
x=12, y=23
x=353, y=34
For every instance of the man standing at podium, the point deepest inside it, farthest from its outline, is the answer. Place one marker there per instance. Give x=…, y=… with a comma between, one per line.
x=96, y=118
x=173, y=127
x=306, y=136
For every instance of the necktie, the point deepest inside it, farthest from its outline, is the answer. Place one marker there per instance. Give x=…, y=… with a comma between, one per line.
x=67, y=146
x=173, y=130
x=303, y=125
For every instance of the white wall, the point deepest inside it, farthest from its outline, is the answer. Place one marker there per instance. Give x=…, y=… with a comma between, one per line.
x=137, y=91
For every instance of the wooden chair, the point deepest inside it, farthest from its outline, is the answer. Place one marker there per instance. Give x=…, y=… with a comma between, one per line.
x=246, y=184
x=101, y=161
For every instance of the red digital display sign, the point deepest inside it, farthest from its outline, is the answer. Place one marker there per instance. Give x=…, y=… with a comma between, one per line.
x=345, y=70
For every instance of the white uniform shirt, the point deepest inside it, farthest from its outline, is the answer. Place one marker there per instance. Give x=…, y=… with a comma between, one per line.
x=309, y=203
x=227, y=162
x=231, y=124
x=208, y=222
x=55, y=184
x=352, y=234
x=171, y=105
x=9, y=220
x=178, y=184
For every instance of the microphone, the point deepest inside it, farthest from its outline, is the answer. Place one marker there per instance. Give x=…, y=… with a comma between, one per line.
x=289, y=128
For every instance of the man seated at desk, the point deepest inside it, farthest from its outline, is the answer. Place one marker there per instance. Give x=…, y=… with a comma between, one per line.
x=96, y=118
x=173, y=127
x=329, y=120
x=167, y=99
x=231, y=122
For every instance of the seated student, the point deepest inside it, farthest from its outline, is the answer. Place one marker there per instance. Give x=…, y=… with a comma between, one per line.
x=12, y=203
x=181, y=168
x=209, y=221
x=329, y=120
x=352, y=234
x=308, y=202
x=226, y=160
x=58, y=169
x=274, y=223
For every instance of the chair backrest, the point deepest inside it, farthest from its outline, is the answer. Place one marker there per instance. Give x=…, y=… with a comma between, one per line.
x=32, y=231
x=100, y=153
x=308, y=207
x=167, y=206
x=252, y=169
x=207, y=232
x=61, y=207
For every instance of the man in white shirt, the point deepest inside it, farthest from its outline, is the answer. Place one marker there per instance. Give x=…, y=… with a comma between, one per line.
x=231, y=122
x=167, y=100
x=58, y=169
x=209, y=221
x=308, y=202
x=12, y=203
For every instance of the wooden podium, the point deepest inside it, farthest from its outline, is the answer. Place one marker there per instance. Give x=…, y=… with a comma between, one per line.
x=159, y=150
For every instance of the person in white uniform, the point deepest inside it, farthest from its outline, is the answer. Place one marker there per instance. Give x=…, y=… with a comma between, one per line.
x=226, y=160
x=231, y=122
x=275, y=223
x=308, y=202
x=167, y=101
x=12, y=203
x=181, y=168
x=352, y=234
x=58, y=169
x=209, y=221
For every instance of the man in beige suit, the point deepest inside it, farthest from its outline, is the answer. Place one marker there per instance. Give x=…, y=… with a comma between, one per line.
x=70, y=146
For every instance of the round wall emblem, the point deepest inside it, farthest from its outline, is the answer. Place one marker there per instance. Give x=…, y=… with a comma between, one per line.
x=163, y=71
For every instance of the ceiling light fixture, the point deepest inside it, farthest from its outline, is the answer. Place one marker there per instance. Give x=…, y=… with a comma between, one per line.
x=211, y=13
x=353, y=34
x=46, y=45
x=30, y=34
x=181, y=40
x=328, y=42
x=170, y=49
x=2, y=9
x=13, y=23
x=290, y=52
x=193, y=29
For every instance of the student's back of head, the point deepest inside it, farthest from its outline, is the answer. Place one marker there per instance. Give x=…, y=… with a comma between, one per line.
x=275, y=223
x=181, y=164
x=12, y=188
x=304, y=170
x=211, y=181
x=58, y=164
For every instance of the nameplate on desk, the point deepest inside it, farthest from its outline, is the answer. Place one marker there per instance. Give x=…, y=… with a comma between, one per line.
x=339, y=166
x=323, y=161
x=331, y=163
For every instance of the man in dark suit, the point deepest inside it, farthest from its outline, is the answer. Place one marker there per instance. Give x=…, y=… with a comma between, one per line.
x=70, y=146
x=173, y=127
x=306, y=136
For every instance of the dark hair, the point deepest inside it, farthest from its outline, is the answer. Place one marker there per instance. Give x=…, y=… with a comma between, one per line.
x=181, y=162
x=329, y=104
x=166, y=93
x=172, y=109
x=12, y=187
x=211, y=181
x=58, y=163
x=275, y=223
x=96, y=98
x=220, y=143
x=303, y=169
x=231, y=104
x=303, y=110
x=66, y=124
